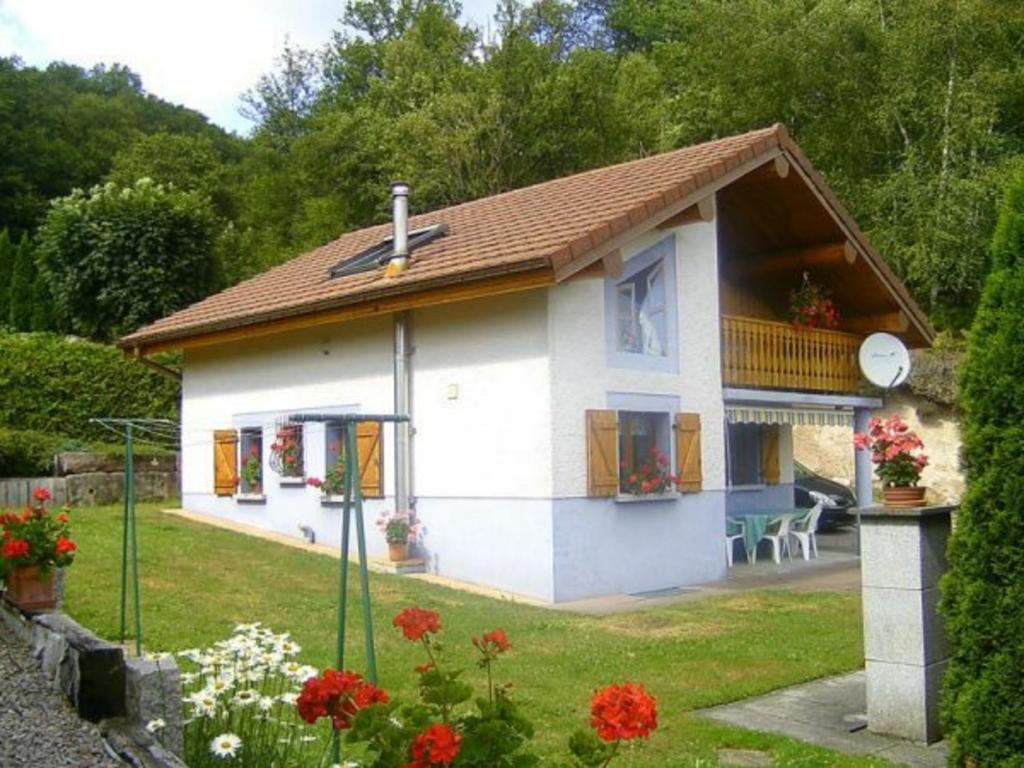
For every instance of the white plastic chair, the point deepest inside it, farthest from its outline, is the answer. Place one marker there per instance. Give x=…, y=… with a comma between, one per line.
x=731, y=538
x=779, y=537
x=805, y=531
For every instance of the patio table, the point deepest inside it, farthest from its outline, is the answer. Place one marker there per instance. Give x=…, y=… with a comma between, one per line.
x=756, y=522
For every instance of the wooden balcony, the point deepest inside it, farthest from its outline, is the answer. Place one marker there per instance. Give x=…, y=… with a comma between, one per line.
x=762, y=354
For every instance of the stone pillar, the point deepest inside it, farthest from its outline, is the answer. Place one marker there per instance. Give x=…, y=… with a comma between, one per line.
x=903, y=556
x=862, y=462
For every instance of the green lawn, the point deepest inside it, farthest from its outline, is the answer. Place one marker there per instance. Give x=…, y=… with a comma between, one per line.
x=199, y=581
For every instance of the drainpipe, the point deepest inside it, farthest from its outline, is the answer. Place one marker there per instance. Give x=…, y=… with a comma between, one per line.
x=403, y=406
x=403, y=320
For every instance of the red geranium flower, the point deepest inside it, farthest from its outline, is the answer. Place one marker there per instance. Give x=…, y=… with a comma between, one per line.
x=416, y=622
x=63, y=518
x=41, y=494
x=337, y=695
x=437, y=745
x=15, y=548
x=493, y=642
x=65, y=545
x=623, y=712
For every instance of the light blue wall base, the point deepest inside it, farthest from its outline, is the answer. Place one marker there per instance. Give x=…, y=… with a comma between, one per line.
x=551, y=549
x=606, y=547
x=757, y=499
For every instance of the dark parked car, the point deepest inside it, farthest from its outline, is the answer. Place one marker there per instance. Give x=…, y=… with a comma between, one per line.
x=838, y=498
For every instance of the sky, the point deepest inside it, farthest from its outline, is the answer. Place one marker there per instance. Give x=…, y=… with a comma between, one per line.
x=200, y=53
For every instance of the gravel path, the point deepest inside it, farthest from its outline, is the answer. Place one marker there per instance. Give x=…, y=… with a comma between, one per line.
x=38, y=727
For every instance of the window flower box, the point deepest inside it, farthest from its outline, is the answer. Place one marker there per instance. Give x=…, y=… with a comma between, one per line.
x=294, y=482
x=629, y=498
x=250, y=498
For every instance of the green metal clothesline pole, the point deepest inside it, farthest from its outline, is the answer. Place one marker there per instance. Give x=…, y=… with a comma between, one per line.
x=129, y=494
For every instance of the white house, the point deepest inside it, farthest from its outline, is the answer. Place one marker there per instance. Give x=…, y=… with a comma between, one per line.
x=543, y=341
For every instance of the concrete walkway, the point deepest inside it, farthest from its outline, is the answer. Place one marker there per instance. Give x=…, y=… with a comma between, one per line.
x=822, y=712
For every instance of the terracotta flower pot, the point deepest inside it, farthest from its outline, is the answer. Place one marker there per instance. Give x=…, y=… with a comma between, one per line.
x=31, y=591
x=398, y=552
x=904, y=497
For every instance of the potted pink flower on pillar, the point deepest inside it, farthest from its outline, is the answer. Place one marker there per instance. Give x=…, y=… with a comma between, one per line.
x=896, y=454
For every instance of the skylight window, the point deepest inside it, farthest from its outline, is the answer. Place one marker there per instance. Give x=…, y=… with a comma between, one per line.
x=379, y=254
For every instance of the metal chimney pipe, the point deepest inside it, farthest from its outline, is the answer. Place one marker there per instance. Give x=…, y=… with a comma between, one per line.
x=400, y=222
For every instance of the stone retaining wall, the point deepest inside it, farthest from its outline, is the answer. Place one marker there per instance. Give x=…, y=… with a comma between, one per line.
x=105, y=686
x=83, y=479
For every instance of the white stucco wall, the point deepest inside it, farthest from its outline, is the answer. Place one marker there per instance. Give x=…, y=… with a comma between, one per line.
x=602, y=545
x=482, y=448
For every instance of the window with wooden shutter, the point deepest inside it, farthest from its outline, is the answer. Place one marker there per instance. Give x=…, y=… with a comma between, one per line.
x=368, y=446
x=770, y=472
x=602, y=453
x=688, y=452
x=225, y=461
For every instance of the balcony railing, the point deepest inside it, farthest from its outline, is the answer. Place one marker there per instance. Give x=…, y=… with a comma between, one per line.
x=762, y=354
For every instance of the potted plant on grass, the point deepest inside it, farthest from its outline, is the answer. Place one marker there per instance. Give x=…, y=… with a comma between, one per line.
x=35, y=544
x=400, y=530
x=895, y=452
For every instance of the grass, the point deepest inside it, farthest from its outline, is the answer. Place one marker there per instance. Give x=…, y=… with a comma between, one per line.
x=199, y=581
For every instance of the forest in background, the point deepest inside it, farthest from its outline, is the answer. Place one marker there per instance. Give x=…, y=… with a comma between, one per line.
x=912, y=109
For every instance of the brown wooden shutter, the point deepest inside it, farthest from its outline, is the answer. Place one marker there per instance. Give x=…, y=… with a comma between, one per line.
x=225, y=461
x=368, y=448
x=689, y=466
x=602, y=453
x=770, y=472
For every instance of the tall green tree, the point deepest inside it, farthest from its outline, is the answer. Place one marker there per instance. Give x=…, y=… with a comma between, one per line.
x=984, y=589
x=23, y=281
x=117, y=258
x=7, y=254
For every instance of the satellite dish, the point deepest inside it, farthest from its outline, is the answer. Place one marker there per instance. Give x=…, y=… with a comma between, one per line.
x=884, y=360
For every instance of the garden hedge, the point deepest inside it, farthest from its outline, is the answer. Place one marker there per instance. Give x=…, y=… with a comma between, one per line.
x=55, y=384
x=983, y=593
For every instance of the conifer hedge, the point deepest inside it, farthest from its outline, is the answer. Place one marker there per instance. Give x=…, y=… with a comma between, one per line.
x=983, y=593
x=55, y=384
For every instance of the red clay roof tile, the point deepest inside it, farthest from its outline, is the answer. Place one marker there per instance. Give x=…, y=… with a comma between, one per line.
x=542, y=226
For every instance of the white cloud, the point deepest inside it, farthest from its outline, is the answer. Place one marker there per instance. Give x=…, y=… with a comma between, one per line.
x=201, y=53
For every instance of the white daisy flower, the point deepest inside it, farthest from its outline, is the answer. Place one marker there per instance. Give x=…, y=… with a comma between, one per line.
x=266, y=703
x=204, y=704
x=289, y=647
x=289, y=698
x=156, y=724
x=307, y=739
x=225, y=745
x=246, y=697
x=219, y=685
x=187, y=678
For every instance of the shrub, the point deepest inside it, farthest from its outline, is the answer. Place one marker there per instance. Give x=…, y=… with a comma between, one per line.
x=55, y=384
x=24, y=453
x=984, y=589
x=118, y=258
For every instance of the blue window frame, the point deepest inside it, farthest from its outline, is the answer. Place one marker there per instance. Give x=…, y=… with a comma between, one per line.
x=641, y=311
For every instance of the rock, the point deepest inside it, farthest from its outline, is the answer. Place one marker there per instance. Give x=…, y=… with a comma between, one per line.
x=744, y=757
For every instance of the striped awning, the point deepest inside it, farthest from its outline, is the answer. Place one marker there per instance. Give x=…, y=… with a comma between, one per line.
x=820, y=417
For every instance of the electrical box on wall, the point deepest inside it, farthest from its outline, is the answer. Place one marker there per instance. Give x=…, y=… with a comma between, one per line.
x=453, y=391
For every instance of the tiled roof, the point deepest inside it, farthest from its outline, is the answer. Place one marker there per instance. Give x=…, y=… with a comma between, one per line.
x=537, y=227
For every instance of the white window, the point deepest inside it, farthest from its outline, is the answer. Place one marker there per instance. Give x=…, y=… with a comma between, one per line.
x=641, y=314
x=644, y=453
x=250, y=464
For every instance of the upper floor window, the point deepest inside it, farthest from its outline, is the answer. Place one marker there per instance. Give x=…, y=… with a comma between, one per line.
x=641, y=308
x=641, y=311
